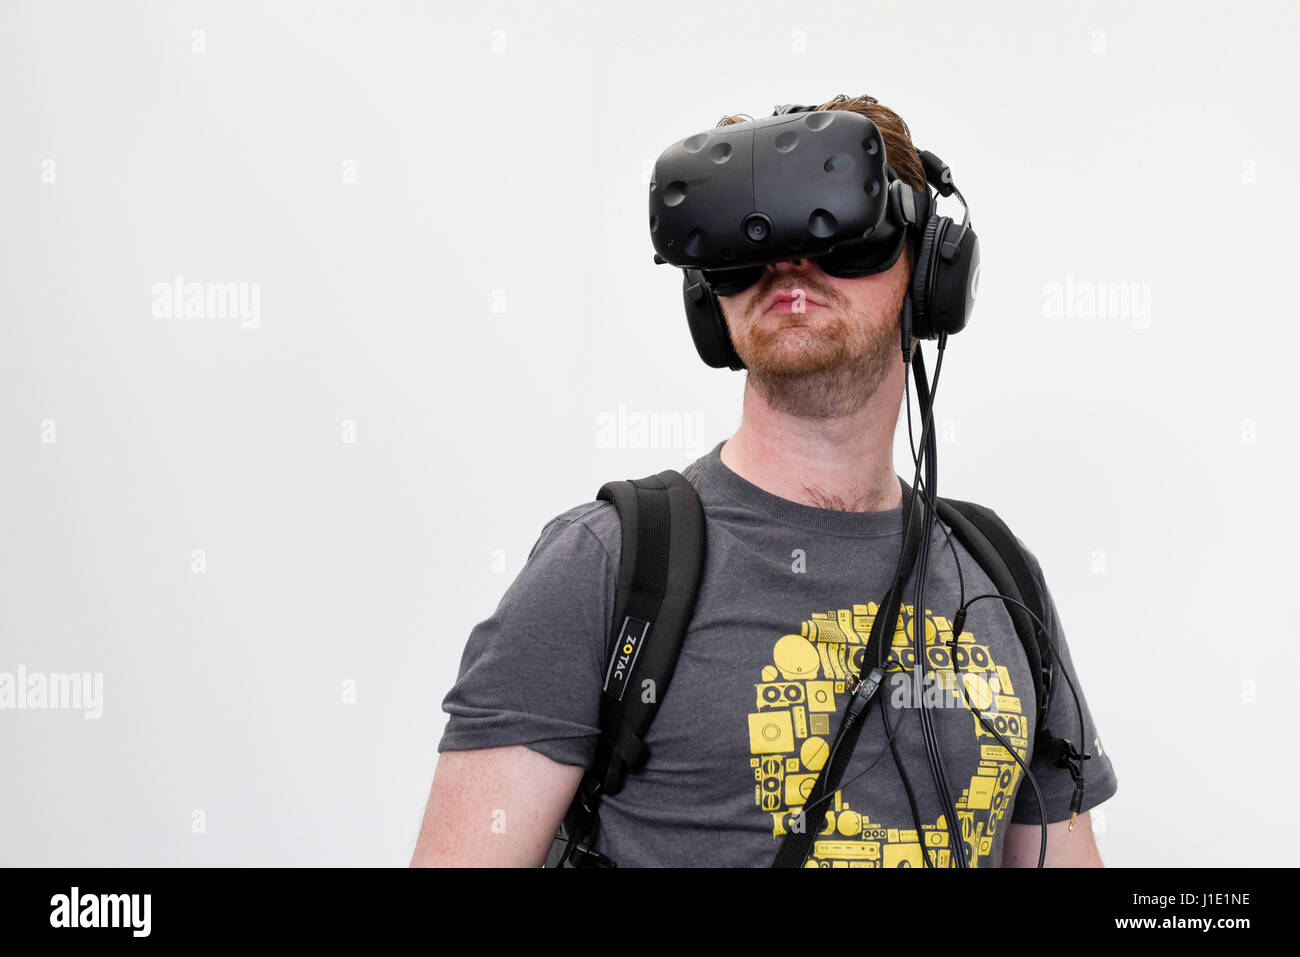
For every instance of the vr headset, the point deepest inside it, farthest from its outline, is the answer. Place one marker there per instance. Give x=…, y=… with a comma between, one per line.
x=811, y=184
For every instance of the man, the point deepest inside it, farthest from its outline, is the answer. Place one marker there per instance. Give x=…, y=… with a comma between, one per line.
x=804, y=523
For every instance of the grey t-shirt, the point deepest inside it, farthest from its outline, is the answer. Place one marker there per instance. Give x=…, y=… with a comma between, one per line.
x=788, y=596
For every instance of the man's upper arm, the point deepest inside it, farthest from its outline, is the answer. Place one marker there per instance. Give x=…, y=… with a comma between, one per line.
x=494, y=807
x=1065, y=848
x=524, y=713
x=532, y=672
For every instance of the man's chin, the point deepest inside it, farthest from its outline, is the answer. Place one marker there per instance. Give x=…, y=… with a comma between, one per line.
x=777, y=370
x=788, y=359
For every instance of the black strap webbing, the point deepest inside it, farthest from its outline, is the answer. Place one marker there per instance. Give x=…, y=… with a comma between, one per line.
x=660, y=568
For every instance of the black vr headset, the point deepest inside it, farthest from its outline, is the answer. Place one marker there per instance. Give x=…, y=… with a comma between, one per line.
x=804, y=183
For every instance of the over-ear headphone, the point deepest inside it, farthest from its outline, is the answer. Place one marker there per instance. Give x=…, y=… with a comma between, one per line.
x=708, y=324
x=945, y=279
x=944, y=282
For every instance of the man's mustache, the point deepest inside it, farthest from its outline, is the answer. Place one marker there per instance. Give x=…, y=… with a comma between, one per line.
x=810, y=291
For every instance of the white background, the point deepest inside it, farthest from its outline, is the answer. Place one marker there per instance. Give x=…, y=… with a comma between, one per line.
x=393, y=176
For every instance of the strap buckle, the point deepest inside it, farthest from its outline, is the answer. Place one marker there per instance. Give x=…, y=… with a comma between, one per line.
x=587, y=799
x=588, y=857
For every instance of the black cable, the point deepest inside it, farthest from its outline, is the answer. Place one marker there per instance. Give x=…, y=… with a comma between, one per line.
x=926, y=431
x=926, y=395
x=884, y=717
x=931, y=500
x=962, y=604
x=918, y=484
x=896, y=586
x=826, y=797
x=919, y=618
x=907, y=787
x=1042, y=809
x=1038, y=794
x=1078, y=707
x=947, y=539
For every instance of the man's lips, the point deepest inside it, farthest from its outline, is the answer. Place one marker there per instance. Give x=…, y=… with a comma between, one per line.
x=785, y=303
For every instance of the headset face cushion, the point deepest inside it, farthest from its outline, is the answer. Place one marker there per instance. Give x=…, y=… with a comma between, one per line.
x=853, y=260
x=732, y=282
x=848, y=260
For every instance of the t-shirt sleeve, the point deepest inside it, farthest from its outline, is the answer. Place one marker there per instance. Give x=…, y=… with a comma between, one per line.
x=531, y=673
x=1057, y=784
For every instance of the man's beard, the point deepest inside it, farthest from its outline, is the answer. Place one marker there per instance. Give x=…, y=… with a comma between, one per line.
x=830, y=368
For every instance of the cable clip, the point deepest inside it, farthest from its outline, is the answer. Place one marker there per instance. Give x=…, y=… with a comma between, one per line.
x=1070, y=759
x=861, y=691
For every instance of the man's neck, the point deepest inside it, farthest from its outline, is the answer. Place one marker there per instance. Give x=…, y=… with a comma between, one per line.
x=843, y=463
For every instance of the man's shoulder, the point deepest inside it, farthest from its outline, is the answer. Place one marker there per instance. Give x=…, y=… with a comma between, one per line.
x=594, y=522
x=588, y=513
x=599, y=518
x=1031, y=560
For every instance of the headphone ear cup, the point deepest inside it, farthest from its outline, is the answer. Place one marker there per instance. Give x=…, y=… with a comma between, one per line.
x=921, y=275
x=707, y=323
x=953, y=285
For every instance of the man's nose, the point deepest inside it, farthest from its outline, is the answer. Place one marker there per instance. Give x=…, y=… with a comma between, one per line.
x=805, y=270
x=808, y=267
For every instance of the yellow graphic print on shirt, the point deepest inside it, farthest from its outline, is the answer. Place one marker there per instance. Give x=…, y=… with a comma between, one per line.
x=795, y=716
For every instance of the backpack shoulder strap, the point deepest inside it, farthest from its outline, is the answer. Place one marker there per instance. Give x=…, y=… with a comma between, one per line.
x=660, y=567
x=659, y=574
x=996, y=550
